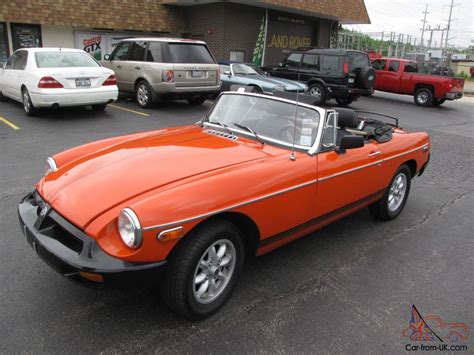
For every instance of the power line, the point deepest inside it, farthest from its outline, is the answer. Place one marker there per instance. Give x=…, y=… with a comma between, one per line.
x=424, y=23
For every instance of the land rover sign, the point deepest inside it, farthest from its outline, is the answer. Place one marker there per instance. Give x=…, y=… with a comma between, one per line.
x=285, y=33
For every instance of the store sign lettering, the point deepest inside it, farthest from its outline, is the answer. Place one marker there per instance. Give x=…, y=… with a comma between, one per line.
x=292, y=42
x=92, y=44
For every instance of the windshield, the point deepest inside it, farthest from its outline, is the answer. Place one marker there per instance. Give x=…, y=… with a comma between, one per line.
x=243, y=69
x=269, y=118
x=64, y=59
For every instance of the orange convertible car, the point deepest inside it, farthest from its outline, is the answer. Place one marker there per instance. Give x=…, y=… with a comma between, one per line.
x=189, y=203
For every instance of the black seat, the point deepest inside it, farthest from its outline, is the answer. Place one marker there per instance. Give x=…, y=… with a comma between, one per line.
x=347, y=118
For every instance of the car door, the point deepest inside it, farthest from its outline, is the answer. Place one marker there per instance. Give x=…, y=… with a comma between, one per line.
x=132, y=67
x=289, y=67
x=347, y=179
x=331, y=69
x=309, y=67
x=6, y=80
x=379, y=65
x=117, y=62
x=390, y=77
x=18, y=73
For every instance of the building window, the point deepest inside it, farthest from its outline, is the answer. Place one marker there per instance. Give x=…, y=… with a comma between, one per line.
x=237, y=56
x=4, y=52
x=26, y=35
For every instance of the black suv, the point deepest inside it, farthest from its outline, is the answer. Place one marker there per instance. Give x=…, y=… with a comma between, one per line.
x=330, y=73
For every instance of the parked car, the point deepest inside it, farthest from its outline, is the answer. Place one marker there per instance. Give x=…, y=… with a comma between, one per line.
x=330, y=73
x=400, y=76
x=235, y=73
x=56, y=77
x=159, y=69
x=190, y=203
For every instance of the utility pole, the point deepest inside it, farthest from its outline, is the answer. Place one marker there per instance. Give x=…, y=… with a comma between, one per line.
x=424, y=24
x=449, y=24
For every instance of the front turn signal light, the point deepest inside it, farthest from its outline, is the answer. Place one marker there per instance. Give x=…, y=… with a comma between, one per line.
x=170, y=234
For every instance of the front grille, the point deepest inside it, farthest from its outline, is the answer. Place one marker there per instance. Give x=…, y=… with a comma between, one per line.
x=221, y=134
x=55, y=227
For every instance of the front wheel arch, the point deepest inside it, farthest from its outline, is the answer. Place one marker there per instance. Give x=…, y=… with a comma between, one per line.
x=242, y=222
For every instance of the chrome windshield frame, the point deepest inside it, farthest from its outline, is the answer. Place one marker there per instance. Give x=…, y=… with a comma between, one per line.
x=310, y=150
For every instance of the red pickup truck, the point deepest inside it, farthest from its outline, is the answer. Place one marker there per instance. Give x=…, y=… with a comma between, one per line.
x=400, y=76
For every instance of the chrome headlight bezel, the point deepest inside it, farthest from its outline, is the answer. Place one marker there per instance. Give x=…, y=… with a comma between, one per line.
x=129, y=228
x=50, y=166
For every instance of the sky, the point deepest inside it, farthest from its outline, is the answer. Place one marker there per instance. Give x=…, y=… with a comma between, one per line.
x=405, y=16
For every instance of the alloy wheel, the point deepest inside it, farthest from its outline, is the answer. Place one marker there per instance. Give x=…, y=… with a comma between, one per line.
x=397, y=192
x=142, y=95
x=26, y=101
x=315, y=91
x=214, y=271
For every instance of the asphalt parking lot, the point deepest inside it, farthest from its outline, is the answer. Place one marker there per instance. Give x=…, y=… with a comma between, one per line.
x=348, y=288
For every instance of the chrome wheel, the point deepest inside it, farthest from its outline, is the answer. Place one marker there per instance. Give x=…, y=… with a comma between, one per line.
x=397, y=192
x=214, y=271
x=315, y=91
x=142, y=94
x=422, y=98
x=26, y=101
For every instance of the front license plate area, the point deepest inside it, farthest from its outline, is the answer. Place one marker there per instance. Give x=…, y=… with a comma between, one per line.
x=197, y=73
x=81, y=83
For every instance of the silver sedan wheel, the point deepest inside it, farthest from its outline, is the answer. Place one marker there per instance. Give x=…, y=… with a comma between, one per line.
x=214, y=271
x=142, y=94
x=315, y=91
x=26, y=101
x=397, y=192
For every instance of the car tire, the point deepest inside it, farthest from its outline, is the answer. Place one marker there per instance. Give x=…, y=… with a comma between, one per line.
x=186, y=284
x=197, y=100
x=144, y=94
x=395, y=197
x=2, y=98
x=438, y=102
x=100, y=107
x=366, y=78
x=344, y=101
x=28, y=106
x=256, y=89
x=318, y=91
x=423, y=97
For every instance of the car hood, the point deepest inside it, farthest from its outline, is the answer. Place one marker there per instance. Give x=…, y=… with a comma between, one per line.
x=87, y=187
x=269, y=81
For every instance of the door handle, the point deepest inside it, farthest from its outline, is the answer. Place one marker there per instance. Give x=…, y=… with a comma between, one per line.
x=137, y=67
x=119, y=67
x=374, y=154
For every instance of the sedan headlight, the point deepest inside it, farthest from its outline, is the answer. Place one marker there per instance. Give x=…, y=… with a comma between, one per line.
x=50, y=166
x=129, y=228
x=279, y=88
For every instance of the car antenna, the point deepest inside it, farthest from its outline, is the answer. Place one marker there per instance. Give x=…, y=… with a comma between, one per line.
x=292, y=156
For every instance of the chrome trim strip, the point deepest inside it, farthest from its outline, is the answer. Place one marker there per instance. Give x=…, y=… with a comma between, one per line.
x=279, y=192
x=233, y=206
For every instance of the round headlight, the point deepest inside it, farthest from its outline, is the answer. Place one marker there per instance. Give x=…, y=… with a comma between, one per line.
x=129, y=228
x=50, y=166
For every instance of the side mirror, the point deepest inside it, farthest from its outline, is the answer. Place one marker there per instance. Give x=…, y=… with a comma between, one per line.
x=350, y=142
x=107, y=57
x=227, y=72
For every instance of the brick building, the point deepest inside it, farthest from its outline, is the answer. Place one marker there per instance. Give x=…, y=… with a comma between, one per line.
x=229, y=27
